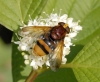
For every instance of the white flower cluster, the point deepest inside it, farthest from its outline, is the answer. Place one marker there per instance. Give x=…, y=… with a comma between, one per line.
x=27, y=41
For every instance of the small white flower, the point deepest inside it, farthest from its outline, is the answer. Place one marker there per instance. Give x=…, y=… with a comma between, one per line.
x=64, y=60
x=26, y=56
x=47, y=63
x=72, y=35
x=66, y=51
x=23, y=47
x=26, y=40
x=34, y=65
x=78, y=27
x=70, y=22
x=26, y=62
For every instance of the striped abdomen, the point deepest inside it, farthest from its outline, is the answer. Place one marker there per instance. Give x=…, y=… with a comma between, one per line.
x=44, y=46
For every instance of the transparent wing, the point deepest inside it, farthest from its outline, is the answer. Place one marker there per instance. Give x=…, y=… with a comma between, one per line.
x=36, y=28
x=34, y=31
x=55, y=58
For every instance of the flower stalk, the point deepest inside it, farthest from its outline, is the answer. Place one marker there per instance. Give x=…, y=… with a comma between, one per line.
x=34, y=73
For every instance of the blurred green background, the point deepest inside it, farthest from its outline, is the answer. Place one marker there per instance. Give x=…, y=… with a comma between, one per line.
x=5, y=55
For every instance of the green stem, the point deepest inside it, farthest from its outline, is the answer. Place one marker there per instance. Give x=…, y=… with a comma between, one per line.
x=68, y=65
x=34, y=73
x=32, y=76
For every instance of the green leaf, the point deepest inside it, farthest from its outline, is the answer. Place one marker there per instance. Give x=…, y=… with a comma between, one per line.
x=9, y=14
x=86, y=65
x=14, y=12
x=61, y=75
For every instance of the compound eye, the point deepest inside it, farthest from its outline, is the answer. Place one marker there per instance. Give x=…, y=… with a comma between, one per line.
x=67, y=29
x=61, y=23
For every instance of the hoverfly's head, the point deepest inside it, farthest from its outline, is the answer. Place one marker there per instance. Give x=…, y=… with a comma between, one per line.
x=59, y=31
x=65, y=26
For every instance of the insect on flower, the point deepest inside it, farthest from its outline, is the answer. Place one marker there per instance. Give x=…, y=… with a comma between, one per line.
x=47, y=40
x=50, y=41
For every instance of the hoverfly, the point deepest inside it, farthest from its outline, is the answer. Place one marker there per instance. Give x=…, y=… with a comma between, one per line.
x=49, y=41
